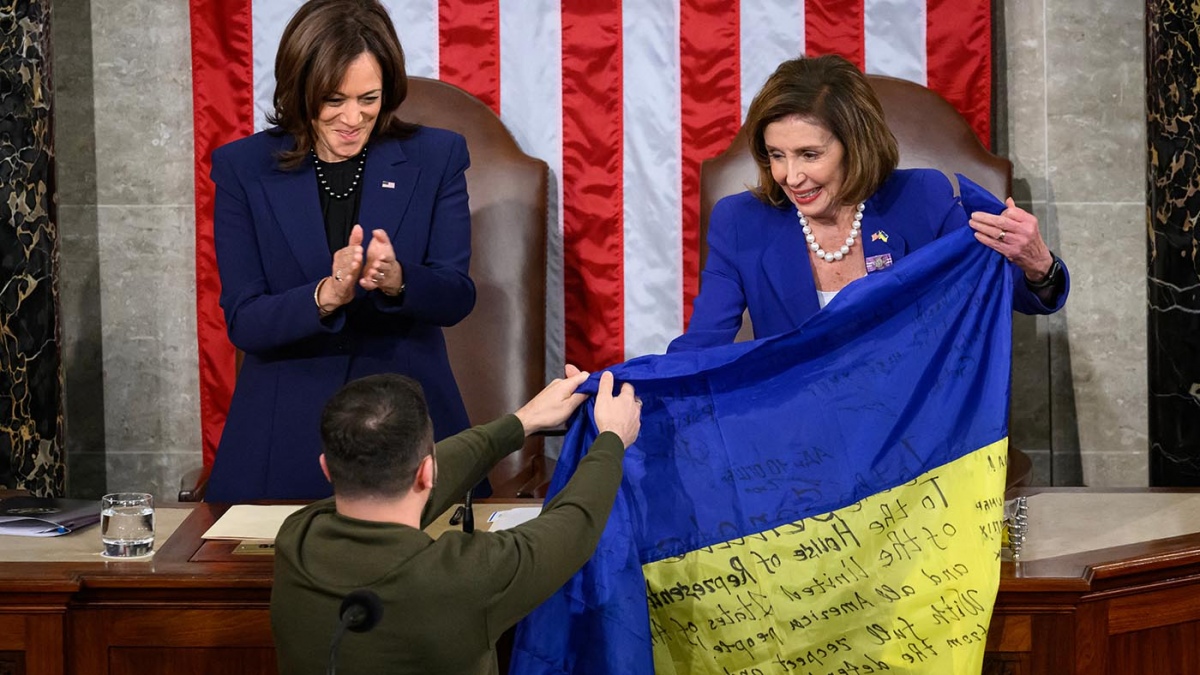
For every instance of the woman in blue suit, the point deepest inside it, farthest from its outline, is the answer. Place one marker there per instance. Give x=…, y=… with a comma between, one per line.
x=343, y=240
x=831, y=207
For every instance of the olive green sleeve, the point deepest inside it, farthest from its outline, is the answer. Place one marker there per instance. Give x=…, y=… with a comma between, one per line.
x=530, y=562
x=465, y=458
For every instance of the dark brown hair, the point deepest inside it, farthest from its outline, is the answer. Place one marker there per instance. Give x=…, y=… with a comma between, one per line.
x=318, y=45
x=375, y=432
x=832, y=92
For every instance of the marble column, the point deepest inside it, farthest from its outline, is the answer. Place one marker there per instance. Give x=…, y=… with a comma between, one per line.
x=31, y=419
x=1173, y=209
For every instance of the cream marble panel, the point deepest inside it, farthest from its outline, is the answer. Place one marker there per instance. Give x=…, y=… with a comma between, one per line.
x=1073, y=522
x=1023, y=139
x=149, y=334
x=82, y=348
x=1095, y=107
x=74, y=102
x=85, y=545
x=1106, y=328
x=155, y=472
x=81, y=324
x=142, y=66
x=1029, y=416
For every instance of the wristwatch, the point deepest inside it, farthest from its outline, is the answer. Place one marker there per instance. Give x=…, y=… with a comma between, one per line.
x=1052, y=277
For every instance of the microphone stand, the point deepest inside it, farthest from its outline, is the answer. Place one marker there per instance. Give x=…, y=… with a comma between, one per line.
x=468, y=514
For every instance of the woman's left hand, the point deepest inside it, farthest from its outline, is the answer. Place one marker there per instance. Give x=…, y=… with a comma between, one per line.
x=382, y=271
x=1014, y=234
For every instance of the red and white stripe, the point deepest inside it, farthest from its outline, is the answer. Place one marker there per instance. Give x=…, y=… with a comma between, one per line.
x=623, y=100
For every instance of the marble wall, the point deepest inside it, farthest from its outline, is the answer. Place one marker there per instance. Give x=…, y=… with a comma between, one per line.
x=1173, y=182
x=1069, y=114
x=1071, y=118
x=31, y=415
x=126, y=212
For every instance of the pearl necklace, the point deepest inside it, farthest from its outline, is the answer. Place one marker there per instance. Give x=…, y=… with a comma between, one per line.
x=320, y=167
x=841, y=253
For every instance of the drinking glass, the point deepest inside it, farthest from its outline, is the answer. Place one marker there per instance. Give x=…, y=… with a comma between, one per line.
x=127, y=524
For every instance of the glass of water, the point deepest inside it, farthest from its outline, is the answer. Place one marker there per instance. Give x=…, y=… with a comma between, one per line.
x=127, y=524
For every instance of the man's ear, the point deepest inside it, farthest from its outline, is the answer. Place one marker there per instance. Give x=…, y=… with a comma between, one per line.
x=424, y=479
x=325, y=468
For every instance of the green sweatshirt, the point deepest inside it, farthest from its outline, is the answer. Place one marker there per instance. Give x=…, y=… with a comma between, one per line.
x=445, y=601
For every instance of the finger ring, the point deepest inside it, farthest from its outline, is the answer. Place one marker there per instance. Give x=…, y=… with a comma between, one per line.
x=1001, y=235
x=379, y=277
x=337, y=276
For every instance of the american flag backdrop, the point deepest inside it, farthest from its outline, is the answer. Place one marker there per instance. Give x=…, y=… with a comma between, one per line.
x=623, y=100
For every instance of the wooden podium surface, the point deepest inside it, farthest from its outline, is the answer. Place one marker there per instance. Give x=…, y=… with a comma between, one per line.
x=197, y=608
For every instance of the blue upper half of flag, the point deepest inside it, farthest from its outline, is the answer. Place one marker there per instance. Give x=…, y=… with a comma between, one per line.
x=902, y=372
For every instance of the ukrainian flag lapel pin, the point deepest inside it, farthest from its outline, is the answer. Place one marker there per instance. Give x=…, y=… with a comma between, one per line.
x=880, y=236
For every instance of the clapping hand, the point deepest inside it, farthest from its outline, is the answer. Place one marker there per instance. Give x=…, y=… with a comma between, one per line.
x=382, y=271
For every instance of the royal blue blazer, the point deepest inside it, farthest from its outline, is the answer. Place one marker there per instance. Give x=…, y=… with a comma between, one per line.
x=271, y=252
x=758, y=258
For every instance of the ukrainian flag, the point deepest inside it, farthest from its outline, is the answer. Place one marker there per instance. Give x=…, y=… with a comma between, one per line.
x=824, y=502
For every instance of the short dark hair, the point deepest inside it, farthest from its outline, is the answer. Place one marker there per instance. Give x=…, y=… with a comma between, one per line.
x=830, y=91
x=376, y=431
x=320, y=42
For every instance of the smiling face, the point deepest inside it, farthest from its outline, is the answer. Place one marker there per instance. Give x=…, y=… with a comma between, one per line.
x=347, y=116
x=808, y=162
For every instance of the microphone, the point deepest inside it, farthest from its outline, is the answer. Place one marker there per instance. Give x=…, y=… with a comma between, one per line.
x=361, y=611
x=468, y=521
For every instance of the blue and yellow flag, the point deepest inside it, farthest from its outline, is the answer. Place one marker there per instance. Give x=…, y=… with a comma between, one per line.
x=823, y=502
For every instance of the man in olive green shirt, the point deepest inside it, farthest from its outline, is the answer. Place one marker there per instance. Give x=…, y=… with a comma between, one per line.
x=445, y=601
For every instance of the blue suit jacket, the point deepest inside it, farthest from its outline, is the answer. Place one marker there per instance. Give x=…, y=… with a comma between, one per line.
x=758, y=258
x=271, y=252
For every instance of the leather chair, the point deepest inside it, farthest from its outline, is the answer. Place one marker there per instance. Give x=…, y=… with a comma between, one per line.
x=498, y=353
x=930, y=133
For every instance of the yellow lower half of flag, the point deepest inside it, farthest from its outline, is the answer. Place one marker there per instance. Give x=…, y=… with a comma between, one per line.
x=902, y=581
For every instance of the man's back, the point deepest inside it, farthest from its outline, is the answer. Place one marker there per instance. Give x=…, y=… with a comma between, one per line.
x=445, y=602
x=437, y=595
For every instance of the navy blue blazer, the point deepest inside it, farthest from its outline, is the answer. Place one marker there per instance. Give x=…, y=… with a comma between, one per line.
x=758, y=258
x=271, y=252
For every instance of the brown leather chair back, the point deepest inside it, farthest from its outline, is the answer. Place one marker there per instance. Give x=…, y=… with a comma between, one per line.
x=929, y=130
x=498, y=352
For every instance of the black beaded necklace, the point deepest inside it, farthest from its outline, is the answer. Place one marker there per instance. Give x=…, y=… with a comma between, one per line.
x=319, y=165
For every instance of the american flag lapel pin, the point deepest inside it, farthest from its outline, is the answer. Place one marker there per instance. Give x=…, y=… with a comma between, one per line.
x=389, y=185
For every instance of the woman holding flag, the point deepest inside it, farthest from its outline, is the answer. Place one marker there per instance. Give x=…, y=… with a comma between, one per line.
x=831, y=207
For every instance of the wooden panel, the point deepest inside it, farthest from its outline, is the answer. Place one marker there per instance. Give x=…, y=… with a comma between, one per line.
x=37, y=639
x=1091, y=638
x=226, y=627
x=1010, y=633
x=1153, y=609
x=1053, y=644
x=98, y=636
x=1168, y=649
x=12, y=632
x=168, y=661
x=12, y=663
x=44, y=644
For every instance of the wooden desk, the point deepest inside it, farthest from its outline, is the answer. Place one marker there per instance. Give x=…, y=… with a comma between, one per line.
x=197, y=609
x=1120, y=610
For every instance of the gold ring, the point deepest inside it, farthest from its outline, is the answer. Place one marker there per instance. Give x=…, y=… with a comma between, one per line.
x=1001, y=235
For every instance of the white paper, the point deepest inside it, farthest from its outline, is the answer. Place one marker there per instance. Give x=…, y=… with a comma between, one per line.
x=251, y=521
x=509, y=518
